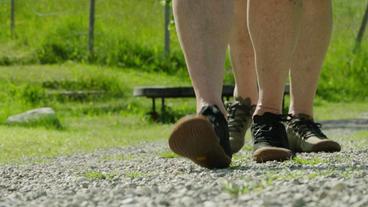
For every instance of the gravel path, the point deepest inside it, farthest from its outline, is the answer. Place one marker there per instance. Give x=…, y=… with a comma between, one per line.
x=150, y=175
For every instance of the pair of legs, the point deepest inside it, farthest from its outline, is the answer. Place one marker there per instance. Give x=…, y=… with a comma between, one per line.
x=285, y=34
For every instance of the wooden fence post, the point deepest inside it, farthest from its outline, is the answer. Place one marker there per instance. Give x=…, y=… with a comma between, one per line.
x=360, y=35
x=12, y=18
x=91, y=30
x=167, y=12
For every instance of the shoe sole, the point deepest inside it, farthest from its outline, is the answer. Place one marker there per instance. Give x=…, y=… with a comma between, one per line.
x=326, y=146
x=266, y=154
x=193, y=137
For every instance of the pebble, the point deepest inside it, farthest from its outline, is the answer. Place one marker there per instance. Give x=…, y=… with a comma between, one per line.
x=146, y=179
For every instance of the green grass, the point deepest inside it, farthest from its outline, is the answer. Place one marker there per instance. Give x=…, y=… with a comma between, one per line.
x=168, y=155
x=340, y=110
x=130, y=34
x=361, y=135
x=82, y=135
x=23, y=88
x=271, y=178
x=112, y=121
x=105, y=122
x=135, y=174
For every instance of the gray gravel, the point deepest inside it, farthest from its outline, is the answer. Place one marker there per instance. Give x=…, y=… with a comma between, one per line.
x=147, y=176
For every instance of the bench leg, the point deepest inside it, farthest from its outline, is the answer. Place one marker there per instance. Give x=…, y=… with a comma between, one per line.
x=154, y=114
x=153, y=105
x=163, y=105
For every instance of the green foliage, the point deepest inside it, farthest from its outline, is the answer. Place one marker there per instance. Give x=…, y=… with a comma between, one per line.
x=345, y=78
x=63, y=44
x=105, y=122
x=130, y=34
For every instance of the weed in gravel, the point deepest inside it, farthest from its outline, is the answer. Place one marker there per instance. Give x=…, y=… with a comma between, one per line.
x=134, y=174
x=97, y=175
x=248, y=148
x=308, y=161
x=247, y=186
x=235, y=189
x=168, y=155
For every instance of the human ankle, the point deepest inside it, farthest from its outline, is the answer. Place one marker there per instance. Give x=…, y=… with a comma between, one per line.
x=219, y=105
x=301, y=115
x=261, y=110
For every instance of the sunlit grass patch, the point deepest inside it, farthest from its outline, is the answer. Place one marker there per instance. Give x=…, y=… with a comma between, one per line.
x=135, y=174
x=98, y=175
x=168, y=155
x=308, y=161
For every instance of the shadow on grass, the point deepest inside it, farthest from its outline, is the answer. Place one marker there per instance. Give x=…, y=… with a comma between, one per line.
x=168, y=116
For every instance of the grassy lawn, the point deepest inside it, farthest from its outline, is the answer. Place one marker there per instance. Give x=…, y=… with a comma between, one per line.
x=130, y=34
x=113, y=121
x=82, y=134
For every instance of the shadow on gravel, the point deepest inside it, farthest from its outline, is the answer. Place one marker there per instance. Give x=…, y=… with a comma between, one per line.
x=345, y=124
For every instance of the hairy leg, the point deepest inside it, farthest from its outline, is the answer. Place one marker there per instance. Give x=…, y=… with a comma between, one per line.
x=309, y=54
x=274, y=28
x=204, y=29
x=242, y=55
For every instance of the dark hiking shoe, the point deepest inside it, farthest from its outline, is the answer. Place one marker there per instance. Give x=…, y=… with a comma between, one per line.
x=305, y=135
x=239, y=120
x=203, y=138
x=269, y=138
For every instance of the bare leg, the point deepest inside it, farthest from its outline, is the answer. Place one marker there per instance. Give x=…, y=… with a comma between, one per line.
x=242, y=55
x=274, y=27
x=309, y=54
x=204, y=31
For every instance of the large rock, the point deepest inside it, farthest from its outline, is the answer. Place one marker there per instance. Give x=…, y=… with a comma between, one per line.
x=36, y=117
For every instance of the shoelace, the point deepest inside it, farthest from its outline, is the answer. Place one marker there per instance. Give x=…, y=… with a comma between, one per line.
x=243, y=113
x=307, y=128
x=265, y=132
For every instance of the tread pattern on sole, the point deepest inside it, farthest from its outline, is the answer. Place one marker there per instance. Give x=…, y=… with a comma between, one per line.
x=194, y=137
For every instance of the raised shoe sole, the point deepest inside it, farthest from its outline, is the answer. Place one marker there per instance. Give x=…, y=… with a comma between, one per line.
x=194, y=137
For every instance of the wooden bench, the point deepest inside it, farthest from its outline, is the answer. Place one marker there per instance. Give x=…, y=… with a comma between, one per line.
x=162, y=92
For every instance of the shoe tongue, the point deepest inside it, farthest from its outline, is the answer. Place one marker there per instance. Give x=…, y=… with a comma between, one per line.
x=211, y=110
x=244, y=101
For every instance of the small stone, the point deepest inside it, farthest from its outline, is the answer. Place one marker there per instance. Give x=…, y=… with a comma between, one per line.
x=209, y=204
x=128, y=201
x=41, y=116
x=299, y=203
x=339, y=187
